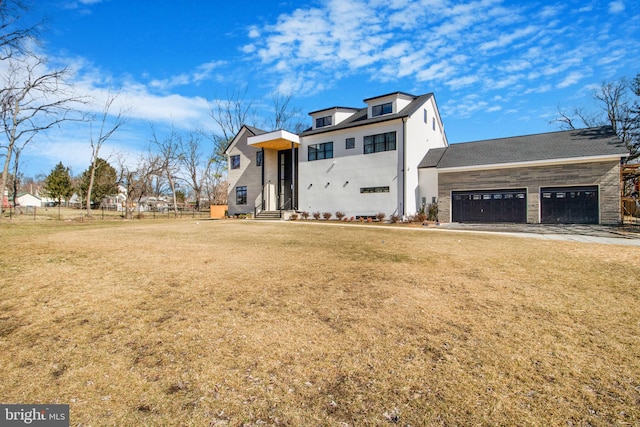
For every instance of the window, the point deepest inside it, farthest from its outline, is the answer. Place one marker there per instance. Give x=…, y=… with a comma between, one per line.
x=235, y=162
x=380, y=142
x=241, y=195
x=425, y=115
x=321, y=151
x=259, y=157
x=374, y=190
x=434, y=123
x=350, y=143
x=323, y=121
x=378, y=110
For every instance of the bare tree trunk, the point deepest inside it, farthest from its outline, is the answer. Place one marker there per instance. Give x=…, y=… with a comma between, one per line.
x=104, y=135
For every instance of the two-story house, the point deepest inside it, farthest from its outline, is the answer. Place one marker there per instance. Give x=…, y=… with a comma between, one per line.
x=360, y=161
x=392, y=157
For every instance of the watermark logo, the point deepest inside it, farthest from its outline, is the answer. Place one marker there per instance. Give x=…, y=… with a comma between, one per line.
x=34, y=415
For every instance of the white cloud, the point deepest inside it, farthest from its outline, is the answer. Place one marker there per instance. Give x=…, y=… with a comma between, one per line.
x=573, y=78
x=616, y=7
x=462, y=82
x=506, y=39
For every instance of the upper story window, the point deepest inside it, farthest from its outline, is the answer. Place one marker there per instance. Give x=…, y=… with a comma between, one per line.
x=380, y=142
x=321, y=151
x=379, y=110
x=350, y=143
x=323, y=121
x=259, y=157
x=235, y=162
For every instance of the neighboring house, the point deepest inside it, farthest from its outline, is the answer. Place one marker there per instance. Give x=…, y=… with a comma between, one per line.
x=28, y=199
x=360, y=161
x=559, y=177
x=392, y=156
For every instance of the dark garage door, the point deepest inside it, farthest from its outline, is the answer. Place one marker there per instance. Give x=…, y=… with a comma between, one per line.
x=569, y=205
x=489, y=206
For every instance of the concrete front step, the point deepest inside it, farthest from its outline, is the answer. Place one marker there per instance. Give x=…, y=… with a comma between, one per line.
x=272, y=215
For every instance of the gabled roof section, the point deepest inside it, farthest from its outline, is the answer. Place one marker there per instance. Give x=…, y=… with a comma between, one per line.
x=572, y=144
x=333, y=109
x=253, y=131
x=432, y=158
x=360, y=118
x=407, y=95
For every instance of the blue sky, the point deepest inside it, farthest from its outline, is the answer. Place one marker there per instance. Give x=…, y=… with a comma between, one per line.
x=497, y=68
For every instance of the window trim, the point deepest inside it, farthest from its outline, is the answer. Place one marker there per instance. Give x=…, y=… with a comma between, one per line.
x=382, y=109
x=324, y=121
x=373, y=144
x=241, y=195
x=371, y=190
x=234, y=161
x=326, y=148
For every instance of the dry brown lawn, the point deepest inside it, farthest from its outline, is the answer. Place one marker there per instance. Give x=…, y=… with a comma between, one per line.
x=216, y=323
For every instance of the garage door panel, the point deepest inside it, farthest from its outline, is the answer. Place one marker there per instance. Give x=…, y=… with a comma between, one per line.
x=489, y=206
x=569, y=205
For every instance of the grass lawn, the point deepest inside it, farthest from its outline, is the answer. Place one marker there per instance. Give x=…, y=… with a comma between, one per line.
x=229, y=323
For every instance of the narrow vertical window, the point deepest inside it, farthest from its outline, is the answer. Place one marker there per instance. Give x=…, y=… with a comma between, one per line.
x=434, y=123
x=259, y=155
x=241, y=195
x=425, y=115
x=235, y=162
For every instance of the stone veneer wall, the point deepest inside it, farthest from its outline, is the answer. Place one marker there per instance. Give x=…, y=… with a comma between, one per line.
x=604, y=174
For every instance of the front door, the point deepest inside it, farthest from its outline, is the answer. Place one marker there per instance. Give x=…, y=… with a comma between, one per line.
x=288, y=179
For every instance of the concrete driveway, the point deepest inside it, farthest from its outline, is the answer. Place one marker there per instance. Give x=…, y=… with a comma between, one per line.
x=614, y=235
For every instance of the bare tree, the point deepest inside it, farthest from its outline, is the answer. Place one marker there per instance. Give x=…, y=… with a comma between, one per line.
x=107, y=129
x=33, y=99
x=15, y=34
x=137, y=180
x=169, y=159
x=284, y=115
x=194, y=164
x=615, y=108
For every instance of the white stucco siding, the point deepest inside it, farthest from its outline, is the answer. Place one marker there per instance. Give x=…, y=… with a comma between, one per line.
x=421, y=136
x=428, y=184
x=335, y=184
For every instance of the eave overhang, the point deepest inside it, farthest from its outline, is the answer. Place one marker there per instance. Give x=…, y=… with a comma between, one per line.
x=276, y=140
x=548, y=162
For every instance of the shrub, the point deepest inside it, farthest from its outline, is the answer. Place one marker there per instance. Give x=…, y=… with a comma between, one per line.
x=326, y=215
x=361, y=219
x=340, y=215
x=369, y=219
x=353, y=218
x=316, y=215
x=432, y=211
x=419, y=217
x=380, y=216
x=305, y=215
x=394, y=219
x=293, y=217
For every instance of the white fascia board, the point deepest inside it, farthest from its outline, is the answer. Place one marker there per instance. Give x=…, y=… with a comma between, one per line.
x=550, y=162
x=276, y=134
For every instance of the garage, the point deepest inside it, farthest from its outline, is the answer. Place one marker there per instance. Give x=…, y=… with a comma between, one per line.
x=489, y=206
x=569, y=205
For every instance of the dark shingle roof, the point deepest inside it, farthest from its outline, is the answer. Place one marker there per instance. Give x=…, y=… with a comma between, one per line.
x=591, y=142
x=360, y=118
